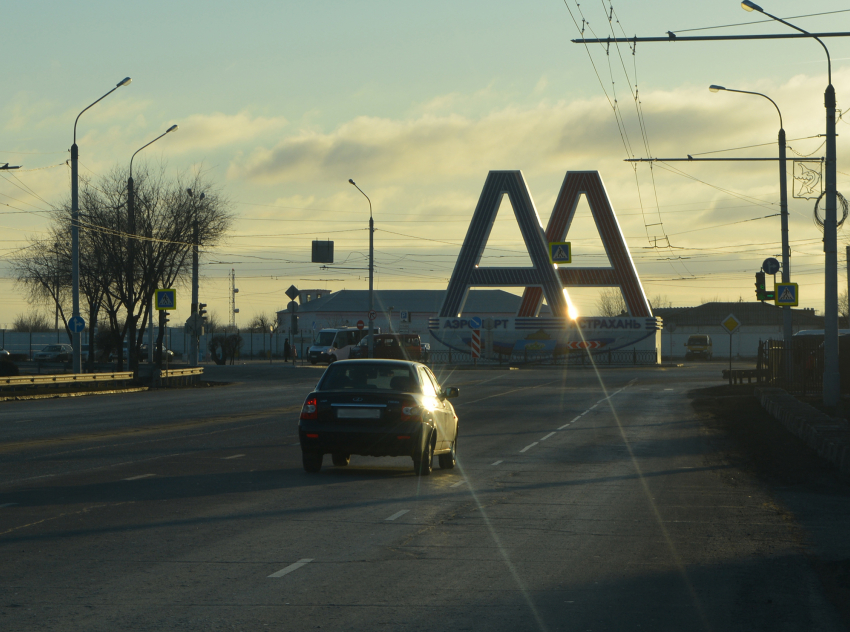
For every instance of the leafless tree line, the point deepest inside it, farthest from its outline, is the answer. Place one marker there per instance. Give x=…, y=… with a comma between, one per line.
x=161, y=252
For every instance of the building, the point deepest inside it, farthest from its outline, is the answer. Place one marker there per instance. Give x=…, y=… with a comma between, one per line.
x=759, y=321
x=346, y=308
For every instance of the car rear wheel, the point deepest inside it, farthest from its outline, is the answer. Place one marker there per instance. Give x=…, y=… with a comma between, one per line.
x=312, y=461
x=341, y=460
x=447, y=461
x=425, y=463
x=331, y=360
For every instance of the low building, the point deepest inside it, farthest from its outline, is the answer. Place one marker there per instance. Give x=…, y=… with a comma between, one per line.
x=759, y=321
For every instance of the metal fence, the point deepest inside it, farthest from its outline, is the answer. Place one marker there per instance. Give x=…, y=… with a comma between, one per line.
x=579, y=358
x=799, y=370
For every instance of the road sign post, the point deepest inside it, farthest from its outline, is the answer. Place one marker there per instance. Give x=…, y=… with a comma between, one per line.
x=730, y=324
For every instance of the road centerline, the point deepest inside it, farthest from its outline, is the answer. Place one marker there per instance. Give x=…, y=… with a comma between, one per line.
x=529, y=446
x=397, y=515
x=547, y=436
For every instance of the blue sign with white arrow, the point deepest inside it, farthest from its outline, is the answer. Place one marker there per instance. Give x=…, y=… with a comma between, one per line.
x=76, y=324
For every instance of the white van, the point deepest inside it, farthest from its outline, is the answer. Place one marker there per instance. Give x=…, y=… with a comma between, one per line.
x=331, y=345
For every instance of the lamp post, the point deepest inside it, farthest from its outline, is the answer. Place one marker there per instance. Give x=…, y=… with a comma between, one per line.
x=787, y=328
x=193, y=340
x=77, y=364
x=131, y=255
x=831, y=378
x=371, y=342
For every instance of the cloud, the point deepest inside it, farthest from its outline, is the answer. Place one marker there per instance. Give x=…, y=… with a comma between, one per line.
x=211, y=131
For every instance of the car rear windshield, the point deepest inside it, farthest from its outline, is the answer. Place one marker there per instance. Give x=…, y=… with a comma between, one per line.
x=698, y=340
x=368, y=376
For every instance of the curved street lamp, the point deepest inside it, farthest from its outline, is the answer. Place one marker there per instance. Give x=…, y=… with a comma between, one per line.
x=371, y=268
x=787, y=325
x=76, y=360
x=831, y=378
x=131, y=255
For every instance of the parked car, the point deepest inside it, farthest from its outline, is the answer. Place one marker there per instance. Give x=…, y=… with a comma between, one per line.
x=143, y=354
x=331, y=345
x=379, y=408
x=391, y=347
x=698, y=345
x=113, y=355
x=54, y=353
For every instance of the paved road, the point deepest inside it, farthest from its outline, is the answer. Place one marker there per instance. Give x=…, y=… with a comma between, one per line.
x=581, y=502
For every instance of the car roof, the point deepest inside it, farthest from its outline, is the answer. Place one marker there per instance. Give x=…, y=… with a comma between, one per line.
x=378, y=361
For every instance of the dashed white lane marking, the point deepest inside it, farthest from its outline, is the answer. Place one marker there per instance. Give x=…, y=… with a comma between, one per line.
x=547, y=436
x=398, y=514
x=292, y=567
x=135, y=478
x=23, y=421
x=235, y=456
x=8, y=505
x=458, y=484
x=528, y=447
x=569, y=422
x=497, y=462
x=668, y=389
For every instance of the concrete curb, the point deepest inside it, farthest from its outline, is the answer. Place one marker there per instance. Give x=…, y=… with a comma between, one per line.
x=827, y=436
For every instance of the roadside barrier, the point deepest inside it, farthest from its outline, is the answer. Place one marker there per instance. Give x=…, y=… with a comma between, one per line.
x=180, y=377
x=45, y=384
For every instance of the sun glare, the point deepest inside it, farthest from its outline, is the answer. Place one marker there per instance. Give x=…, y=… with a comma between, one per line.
x=572, y=310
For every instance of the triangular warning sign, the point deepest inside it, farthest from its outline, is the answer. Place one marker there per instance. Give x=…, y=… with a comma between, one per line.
x=559, y=254
x=787, y=295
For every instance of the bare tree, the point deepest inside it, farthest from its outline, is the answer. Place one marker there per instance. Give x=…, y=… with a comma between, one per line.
x=660, y=302
x=611, y=302
x=110, y=279
x=33, y=321
x=261, y=322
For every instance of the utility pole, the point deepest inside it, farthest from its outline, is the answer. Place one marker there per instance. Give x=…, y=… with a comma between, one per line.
x=233, y=309
x=193, y=340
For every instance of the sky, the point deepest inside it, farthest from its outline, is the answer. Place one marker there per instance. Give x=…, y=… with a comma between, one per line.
x=280, y=103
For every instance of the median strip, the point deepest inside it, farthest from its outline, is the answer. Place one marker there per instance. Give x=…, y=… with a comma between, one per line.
x=291, y=567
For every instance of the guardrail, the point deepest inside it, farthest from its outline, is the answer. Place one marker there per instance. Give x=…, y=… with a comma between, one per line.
x=180, y=377
x=604, y=358
x=35, y=384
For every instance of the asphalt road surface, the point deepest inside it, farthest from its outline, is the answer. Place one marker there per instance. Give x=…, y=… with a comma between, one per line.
x=581, y=502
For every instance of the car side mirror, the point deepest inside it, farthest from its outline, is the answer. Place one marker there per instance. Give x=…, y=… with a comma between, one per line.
x=451, y=391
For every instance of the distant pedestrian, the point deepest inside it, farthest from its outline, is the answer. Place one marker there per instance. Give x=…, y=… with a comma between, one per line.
x=286, y=350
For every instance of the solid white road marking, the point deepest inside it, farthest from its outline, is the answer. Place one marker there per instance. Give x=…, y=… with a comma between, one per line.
x=8, y=505
x=528, y=447
x=458, y=484
x=497, y=462
x=235, y=456
x=292, y=567
x=398, y=514
x=547, y=436
x=135, y=478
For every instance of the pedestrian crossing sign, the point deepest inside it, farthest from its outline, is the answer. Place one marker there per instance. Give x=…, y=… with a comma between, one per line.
x=166, y=299
x=560, y=252
x=787, y=295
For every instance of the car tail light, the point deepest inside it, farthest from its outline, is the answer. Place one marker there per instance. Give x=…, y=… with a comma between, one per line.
x=309, y=410
x=411, y=411
x=403, y=437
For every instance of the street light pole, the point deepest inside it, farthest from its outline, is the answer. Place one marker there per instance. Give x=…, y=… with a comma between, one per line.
x=787, y=326
x=193, y=340
x=76, y=363
x=371, y=342
x=831, y=377
x=131, y=256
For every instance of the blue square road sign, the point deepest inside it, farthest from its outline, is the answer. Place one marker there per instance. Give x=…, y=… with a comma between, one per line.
x=165, y=299
x=787, y=295
x=560, y=252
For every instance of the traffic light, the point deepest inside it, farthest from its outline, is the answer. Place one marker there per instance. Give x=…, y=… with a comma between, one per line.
x=760, y=293
x=202, y=318
x=163, y=318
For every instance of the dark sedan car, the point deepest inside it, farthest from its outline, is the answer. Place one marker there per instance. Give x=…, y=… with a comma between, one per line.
x=379, y=408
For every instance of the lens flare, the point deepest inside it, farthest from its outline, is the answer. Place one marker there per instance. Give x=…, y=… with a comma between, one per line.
x=572, y=310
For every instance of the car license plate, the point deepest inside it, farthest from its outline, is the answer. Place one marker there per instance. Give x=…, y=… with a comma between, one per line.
x=358, y=413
